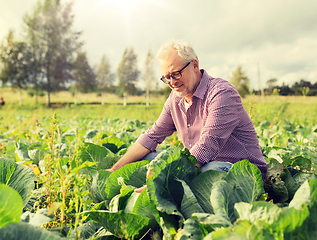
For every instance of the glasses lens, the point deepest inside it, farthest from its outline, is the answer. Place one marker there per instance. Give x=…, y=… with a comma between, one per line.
x=176, y=75
x=164, y=80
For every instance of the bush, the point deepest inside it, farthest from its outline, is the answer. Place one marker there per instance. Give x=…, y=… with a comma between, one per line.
x=30, y=92
x=40, y=93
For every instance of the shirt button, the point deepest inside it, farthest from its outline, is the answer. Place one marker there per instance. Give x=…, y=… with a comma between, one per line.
x=188, y=125
x=190, y=145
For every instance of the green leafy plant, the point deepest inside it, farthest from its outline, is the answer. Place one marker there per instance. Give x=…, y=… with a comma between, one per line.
x=11, y=205
x=57, y=168
x=19, y=177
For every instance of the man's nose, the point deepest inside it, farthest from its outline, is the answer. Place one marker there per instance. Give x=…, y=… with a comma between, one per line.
x=173, y=81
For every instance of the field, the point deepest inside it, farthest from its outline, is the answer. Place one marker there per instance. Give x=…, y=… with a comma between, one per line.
x=294, y=109
x=88, y=105
x=54, y=185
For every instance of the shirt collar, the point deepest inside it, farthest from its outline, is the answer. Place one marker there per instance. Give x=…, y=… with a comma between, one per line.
x=200, y=90
x=202, y=86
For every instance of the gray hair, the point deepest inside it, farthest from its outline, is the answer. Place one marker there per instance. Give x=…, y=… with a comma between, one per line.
x=184, y=50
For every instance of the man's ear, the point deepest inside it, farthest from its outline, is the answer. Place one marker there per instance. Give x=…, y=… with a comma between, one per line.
x=196, y=65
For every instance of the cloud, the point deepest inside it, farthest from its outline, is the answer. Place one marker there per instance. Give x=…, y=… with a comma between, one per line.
x=275, y=38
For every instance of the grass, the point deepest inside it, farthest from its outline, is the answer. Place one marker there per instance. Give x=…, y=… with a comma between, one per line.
x=88, y=105
x=294, y=109
x=141, y=112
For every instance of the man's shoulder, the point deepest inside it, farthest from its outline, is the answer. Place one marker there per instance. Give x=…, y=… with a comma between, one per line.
x=214, y=82
x=215, y=87
x=217, y=84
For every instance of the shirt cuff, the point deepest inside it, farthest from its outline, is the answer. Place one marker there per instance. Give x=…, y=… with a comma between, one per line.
x=202, y=156
x=147, y=142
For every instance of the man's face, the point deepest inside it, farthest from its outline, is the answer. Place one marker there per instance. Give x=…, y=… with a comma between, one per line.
x=187, y=84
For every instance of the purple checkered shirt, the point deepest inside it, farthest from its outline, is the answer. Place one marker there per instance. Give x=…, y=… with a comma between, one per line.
x=214, y=127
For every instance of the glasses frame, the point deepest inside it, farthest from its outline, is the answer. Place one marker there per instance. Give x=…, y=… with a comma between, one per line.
x=164, y=79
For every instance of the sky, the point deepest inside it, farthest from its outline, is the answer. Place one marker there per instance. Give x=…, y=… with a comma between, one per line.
x=269, y=39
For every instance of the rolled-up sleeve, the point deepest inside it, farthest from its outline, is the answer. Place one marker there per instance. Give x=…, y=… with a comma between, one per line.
x=162, y=128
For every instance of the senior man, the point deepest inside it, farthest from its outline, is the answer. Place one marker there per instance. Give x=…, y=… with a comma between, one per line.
x=206, y=112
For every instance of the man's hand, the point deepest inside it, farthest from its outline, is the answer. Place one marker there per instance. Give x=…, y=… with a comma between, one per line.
x=139, y=190
x=198, y=165
x=135, y=152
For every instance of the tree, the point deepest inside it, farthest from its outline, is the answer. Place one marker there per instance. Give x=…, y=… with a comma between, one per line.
x=15, y=57
x=271, y=82
x=285, y=90
x=148, y=76
x=302, y=88
x=32, y=24
x=104, y=76
x=127, y=73
x=240, y=81
x=50, y=26
x=85, y=78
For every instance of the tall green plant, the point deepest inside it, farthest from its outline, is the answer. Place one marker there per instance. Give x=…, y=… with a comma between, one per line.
x=65, y=185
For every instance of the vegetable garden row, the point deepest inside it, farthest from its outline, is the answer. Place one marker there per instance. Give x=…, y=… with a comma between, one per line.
x=54, y=185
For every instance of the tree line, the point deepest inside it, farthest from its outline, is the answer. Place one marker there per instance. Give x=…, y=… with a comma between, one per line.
x=49, y=58
x=241, y=82
x=300, y=88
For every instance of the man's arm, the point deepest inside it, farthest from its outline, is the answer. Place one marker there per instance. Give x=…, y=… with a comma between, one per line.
x=147, y=142
x=135, y=153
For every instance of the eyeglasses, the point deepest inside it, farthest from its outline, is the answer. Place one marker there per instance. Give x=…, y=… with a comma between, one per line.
x=175, y=75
